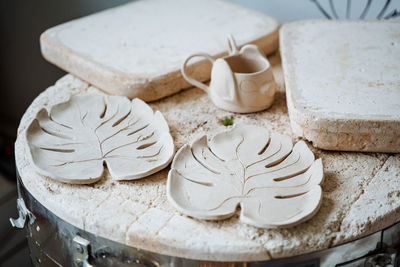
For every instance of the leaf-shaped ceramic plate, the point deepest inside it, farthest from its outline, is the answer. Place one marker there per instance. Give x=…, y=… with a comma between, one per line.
x=74, y=140
x=275, y=183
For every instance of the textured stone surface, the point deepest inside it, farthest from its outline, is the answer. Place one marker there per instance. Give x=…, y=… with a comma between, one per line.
x=137, y=213
x=377, y=207
x=137, y=49
x=343, y=85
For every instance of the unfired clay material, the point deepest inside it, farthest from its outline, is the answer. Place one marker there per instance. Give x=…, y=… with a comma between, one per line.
x=343, y=83
x=137, y=213
x=274, y=183
x=240, y=82
x=137, y=49
x=71, y=141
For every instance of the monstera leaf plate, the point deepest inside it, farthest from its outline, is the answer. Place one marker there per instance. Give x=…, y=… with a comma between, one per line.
x=73, y=141
x=275, y=183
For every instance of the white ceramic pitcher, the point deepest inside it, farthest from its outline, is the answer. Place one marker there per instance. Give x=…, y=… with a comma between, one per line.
x=240, y=82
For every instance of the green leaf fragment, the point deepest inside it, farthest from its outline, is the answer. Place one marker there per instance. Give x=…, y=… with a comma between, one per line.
x=227, y=121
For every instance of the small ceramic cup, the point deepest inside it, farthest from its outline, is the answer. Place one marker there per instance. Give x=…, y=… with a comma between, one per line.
x=241, y=82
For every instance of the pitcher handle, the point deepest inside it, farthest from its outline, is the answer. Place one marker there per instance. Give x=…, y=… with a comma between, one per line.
x=233, y=49
x=190, y=79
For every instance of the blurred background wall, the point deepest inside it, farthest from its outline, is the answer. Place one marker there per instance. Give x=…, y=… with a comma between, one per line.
x=24, y=73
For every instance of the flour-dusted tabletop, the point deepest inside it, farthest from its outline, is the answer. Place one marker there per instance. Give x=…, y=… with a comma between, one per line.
x=343, y=83
x=137, y=49
x=361, y=191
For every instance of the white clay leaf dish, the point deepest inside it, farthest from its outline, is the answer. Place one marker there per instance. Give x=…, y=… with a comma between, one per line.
x=76, y=139
x=275, y=183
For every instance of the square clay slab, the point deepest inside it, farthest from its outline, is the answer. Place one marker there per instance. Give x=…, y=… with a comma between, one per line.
x=137, y=49
x=343, y=83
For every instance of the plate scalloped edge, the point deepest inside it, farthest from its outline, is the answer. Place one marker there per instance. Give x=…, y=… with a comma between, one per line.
x=275, y=183
x=76, y=139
